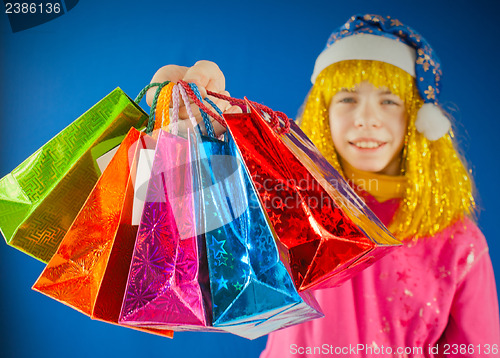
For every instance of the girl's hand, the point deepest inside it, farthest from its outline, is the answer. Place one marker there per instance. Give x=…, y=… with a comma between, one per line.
x=208, y=77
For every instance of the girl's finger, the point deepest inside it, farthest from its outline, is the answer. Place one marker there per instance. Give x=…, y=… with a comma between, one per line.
x=183, y=114
x=234, y=109
x=218, y=128
x=206, y=75
x=171, y=73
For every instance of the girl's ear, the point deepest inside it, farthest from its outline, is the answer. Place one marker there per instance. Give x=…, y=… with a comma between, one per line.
x=432, y=122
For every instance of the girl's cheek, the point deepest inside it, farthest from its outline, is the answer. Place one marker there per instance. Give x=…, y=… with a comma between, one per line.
x=337, y=123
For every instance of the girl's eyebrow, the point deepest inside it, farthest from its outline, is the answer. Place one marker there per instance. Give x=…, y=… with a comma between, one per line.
x=350, y=90
x=383, y=91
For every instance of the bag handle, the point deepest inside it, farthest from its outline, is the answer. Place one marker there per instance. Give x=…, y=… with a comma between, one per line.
x=162, y=112
x=275, y=116
x=162, y=99
x=175, y=110
x=219, y=112
x=151, y=121
x=206, y=119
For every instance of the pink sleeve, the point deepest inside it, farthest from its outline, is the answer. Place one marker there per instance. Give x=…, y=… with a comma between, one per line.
x=473, y=324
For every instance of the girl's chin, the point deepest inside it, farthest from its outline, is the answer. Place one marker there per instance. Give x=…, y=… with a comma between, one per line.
x=367, y=167
x=373, y=162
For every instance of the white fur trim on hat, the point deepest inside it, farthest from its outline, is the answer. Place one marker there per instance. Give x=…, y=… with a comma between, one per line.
x=367, y=47
x=432, y=122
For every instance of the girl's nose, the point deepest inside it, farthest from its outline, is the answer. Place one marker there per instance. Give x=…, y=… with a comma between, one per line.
x=366, y=116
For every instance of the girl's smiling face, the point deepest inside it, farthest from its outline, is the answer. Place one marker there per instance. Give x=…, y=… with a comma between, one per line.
x=368, y=127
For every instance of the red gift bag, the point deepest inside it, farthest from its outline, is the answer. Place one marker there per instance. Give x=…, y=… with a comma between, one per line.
x=326, y=231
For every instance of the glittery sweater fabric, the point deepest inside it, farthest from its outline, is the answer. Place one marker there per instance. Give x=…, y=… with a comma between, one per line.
x=432, y=298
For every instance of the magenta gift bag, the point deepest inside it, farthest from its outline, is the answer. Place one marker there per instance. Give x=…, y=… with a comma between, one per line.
x=168, y=285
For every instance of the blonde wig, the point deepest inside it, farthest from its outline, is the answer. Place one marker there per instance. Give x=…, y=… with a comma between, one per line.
x=439, y=188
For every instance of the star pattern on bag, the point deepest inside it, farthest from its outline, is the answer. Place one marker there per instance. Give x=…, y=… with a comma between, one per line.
x=222, y=282
x=218, y=247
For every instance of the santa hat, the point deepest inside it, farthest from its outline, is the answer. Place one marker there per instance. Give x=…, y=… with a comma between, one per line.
x=373, y=37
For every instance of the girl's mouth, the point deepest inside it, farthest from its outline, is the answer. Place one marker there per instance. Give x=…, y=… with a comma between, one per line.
x=367, y=144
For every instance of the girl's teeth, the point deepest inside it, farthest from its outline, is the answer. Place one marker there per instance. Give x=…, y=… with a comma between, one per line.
x=367, y=144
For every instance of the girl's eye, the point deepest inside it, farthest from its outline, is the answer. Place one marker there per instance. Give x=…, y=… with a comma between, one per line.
x=347, y=100
x=389, y=101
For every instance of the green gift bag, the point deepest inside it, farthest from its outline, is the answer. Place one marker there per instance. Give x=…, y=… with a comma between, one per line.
x=41, y=197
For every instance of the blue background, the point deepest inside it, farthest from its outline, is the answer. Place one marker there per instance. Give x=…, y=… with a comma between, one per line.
x=52, y=73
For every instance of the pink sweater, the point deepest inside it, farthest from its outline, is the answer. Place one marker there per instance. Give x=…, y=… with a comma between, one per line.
x=433, y=298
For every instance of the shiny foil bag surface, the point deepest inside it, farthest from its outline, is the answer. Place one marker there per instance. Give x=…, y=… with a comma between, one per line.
x=252, y=291
x=327, y=232
x=168, y=281
x=41, y=197
x=90, y=268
